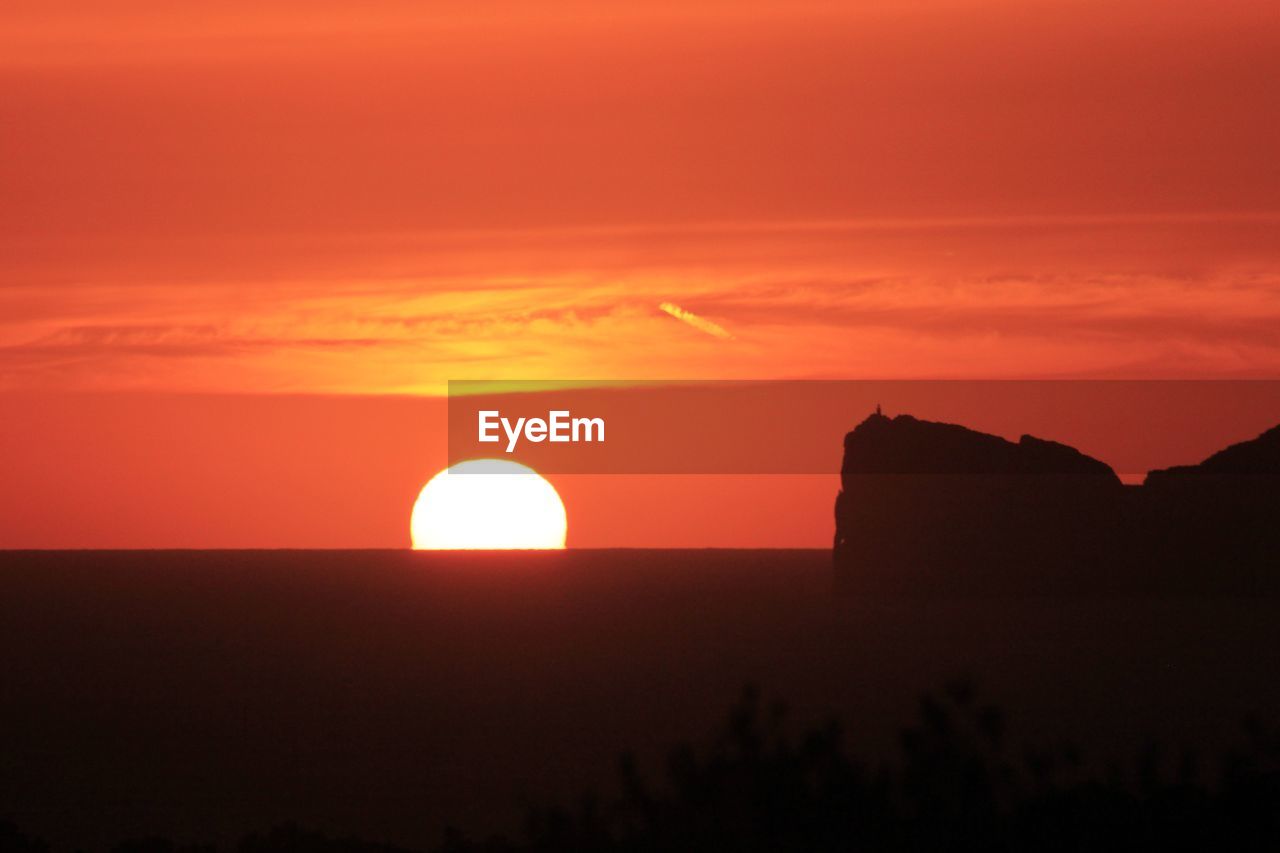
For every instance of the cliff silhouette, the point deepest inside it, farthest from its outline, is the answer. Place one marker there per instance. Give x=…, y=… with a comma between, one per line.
x=928, y=508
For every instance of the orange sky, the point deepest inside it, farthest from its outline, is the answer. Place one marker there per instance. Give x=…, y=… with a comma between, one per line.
x=291, y=197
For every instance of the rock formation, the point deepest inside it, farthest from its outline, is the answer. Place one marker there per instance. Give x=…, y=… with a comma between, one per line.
x=938, y=508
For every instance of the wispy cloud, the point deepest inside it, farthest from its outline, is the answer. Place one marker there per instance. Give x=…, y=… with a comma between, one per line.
x=700, y=323
x=1161, y=299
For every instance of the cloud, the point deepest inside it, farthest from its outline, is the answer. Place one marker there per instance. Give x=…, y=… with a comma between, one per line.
x=699, y=323
x=1175, y=299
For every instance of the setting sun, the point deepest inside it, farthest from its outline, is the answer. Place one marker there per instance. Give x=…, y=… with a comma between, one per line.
x=488, y=503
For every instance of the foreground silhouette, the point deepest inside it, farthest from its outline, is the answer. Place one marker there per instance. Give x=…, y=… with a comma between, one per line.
x=960, y=783
x=938, y=508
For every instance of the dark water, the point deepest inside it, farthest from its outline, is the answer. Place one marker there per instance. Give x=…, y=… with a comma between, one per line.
x=200, y=695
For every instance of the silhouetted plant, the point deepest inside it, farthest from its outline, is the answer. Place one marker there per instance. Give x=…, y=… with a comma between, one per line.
x=756, y=787
x=960, y=785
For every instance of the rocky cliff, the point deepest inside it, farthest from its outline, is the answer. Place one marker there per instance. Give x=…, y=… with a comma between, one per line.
x=932, y=507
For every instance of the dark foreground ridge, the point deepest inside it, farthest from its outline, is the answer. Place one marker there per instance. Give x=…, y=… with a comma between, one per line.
x=960, y=781
x=930, y=508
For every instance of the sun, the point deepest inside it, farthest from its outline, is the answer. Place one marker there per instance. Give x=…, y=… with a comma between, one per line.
x=488, y=503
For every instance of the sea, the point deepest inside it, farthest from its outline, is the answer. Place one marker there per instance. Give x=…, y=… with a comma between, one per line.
x=200, y=695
